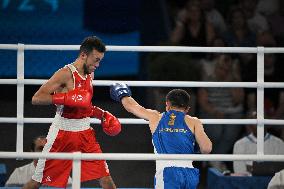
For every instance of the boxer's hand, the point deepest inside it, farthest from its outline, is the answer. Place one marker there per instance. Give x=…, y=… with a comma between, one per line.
x=111, y=125
x=119, y=90
x=76, y=98
x=96, y=112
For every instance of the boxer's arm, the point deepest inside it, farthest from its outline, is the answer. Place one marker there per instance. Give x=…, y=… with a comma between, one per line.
x=121, y=92
x=44, y=95
x=153, y=116
x=133, y=107
x=201, y=137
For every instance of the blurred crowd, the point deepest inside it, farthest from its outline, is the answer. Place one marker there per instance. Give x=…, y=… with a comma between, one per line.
x=216, y=23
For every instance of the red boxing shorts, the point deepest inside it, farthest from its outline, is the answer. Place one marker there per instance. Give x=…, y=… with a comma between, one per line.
x=69, y=135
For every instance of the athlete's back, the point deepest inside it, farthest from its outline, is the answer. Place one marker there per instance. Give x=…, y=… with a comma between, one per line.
x=173, y=136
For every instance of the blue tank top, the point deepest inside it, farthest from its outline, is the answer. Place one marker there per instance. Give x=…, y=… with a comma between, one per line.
x=172, y=135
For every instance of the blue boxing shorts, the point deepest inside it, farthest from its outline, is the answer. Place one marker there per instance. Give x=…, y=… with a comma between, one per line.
x=177, y=178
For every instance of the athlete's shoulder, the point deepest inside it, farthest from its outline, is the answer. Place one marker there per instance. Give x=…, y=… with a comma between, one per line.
x=154, y=113
x=62, y=76
x=194, y=120
x=154, y=119
x=65, y=72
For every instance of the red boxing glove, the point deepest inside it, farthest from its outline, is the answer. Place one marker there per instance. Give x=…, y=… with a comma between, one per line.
x=96, y=112
x=76, y=98
x=111, y=125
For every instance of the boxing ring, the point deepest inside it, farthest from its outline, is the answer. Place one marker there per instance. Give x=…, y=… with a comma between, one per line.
x=260, y=85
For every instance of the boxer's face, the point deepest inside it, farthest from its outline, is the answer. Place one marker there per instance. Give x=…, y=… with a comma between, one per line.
x=92, y=61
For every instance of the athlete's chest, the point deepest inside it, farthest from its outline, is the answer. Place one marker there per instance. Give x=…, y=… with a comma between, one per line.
x=80, y=82
x=76, y=81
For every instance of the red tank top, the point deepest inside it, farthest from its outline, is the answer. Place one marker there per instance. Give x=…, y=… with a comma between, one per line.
x=79, y=83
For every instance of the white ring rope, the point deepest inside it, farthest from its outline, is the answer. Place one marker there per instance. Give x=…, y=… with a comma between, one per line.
x=141, y=121
x=158, y=83
x=149, y=48
x=143, y=156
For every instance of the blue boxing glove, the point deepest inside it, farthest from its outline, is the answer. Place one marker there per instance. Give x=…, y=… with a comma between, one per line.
x=119, y=90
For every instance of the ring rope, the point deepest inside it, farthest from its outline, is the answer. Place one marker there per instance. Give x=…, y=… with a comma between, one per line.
x=150, y=48
x=158, y=83
x=143, y=156
x=142, y=121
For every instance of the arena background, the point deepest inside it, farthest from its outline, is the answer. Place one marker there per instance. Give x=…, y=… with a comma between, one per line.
x=128, y=22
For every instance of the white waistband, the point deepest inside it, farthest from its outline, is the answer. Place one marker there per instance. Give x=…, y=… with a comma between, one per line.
x=161, y=164
x=71, y=124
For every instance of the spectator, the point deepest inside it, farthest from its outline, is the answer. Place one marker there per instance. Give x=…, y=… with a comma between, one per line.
x=221, y=103
x=277, y=28
x=22, y=175
x=273, y=98
x=268, y=7
x=239, y=34
x=213, y=16
x=256, y=22
x=208, y=62
x=247, y=145
x=191, y=28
